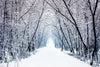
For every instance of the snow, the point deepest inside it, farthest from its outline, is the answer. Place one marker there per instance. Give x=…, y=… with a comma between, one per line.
x=50, y=43
x=49, y=56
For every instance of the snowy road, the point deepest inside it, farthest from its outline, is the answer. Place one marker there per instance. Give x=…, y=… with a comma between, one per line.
x=49, y=57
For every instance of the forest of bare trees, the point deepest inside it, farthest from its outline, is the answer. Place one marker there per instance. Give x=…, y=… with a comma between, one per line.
x=79, y=27
x=19, y=28
x=23, y=28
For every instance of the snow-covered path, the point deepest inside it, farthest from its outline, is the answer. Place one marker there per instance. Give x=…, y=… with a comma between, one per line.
x=49, y=57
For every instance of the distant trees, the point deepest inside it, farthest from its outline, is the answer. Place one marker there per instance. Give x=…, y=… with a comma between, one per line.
x=20, y=20
x=78, y=21
x=76, y=28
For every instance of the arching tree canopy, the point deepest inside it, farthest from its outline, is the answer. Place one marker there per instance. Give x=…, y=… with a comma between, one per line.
x=26, y=25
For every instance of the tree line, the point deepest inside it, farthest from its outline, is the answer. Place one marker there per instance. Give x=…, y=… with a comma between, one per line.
x=78, y=27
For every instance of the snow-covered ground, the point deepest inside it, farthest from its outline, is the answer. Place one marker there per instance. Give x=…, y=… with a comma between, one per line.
x=48, y=57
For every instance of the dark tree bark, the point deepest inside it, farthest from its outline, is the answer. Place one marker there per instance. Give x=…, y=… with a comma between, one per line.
x=93, y=13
